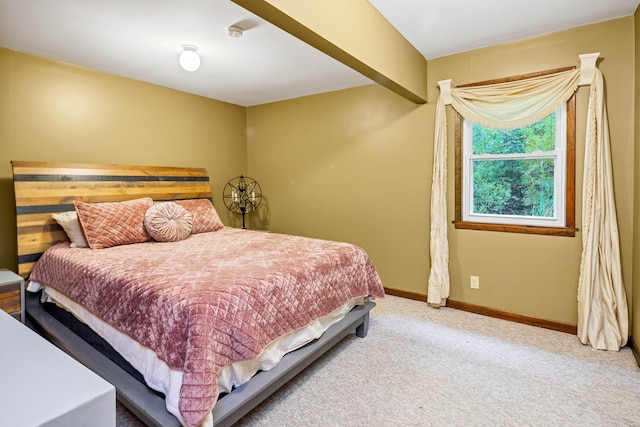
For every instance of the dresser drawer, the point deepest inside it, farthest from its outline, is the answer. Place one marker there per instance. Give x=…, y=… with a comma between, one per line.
x=10, y=300
x=12, y=294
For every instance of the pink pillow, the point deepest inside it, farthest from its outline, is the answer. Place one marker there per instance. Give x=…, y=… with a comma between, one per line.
x=168, y=222
x=113, y=223
x=204, y=215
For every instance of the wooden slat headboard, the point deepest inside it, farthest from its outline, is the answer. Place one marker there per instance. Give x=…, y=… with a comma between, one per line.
x=43, y=188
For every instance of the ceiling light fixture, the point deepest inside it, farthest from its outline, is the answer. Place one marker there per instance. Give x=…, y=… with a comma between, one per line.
x=234, y=31
x=189, y=59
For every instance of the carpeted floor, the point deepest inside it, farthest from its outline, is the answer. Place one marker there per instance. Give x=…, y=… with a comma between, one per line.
x=421, y=367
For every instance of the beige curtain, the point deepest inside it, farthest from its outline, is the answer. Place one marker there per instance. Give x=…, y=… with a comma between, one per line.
x=438, y=291
x=602, y=303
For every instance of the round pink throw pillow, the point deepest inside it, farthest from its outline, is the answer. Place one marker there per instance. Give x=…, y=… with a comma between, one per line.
x=168, y=222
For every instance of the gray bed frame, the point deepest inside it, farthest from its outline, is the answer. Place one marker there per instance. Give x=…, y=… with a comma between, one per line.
x=150, y=408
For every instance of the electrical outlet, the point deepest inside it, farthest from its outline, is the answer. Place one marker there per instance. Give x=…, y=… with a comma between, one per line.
x=475, y=282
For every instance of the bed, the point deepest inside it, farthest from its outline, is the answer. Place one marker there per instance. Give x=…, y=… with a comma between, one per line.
x=214, y=319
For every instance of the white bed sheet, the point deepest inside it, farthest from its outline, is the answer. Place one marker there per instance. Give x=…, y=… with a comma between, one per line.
x=157, y=373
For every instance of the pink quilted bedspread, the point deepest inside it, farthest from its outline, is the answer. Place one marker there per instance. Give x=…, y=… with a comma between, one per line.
x=211, y=299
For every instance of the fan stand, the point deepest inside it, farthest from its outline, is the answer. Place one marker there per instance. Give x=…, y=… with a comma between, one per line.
x=243, y=213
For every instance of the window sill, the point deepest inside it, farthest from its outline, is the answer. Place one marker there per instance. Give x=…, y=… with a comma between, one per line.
x=525, y=229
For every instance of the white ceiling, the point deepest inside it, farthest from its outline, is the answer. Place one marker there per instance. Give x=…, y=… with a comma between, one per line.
x=141, y=39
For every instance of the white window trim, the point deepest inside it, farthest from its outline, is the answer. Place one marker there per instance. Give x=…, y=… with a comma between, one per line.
x=560, y=156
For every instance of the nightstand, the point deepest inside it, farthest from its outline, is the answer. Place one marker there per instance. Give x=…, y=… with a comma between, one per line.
x=12, y=294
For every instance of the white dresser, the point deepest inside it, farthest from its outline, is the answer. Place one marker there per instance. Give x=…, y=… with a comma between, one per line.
x=40, y=385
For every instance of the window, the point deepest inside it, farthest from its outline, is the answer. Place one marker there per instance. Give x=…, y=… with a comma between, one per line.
x=518, y=180
x=514, y=176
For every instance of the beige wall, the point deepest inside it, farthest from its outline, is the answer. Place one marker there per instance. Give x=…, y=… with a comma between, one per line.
x=355, y=165
x=537, y=275
x=635, y=325
x=349, y=165
x=51, y=111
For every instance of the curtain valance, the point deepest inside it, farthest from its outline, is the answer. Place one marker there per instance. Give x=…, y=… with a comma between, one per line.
x=515, y=104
